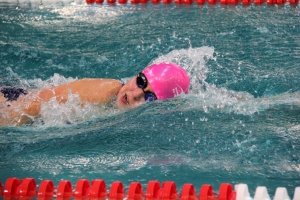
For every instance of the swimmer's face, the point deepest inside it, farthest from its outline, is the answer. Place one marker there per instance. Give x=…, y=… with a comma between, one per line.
x=131, y=95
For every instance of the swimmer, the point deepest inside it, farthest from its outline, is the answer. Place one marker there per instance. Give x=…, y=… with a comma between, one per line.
x=156, y=82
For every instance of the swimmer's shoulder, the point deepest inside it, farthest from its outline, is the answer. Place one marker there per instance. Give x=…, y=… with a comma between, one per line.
x=87, y=88
x=100, y=80
x=93, y=90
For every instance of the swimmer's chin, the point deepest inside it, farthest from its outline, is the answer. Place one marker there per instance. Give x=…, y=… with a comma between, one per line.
x=123, y=106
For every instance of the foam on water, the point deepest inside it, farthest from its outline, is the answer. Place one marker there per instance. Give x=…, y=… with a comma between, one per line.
x=92, y=14
x=38, y=3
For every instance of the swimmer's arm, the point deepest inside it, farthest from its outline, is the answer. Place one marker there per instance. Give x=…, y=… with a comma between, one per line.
x=89, y=90
x=97, y=91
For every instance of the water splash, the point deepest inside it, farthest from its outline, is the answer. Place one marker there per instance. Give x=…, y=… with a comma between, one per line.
x=193, y=60
x=203, y=95
x=90, y=14
x=72, y=111
x=207, y=96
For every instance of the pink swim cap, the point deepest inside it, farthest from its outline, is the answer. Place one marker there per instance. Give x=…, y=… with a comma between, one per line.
x=167, y=80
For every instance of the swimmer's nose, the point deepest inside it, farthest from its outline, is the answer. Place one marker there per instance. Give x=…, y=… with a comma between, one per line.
x=138, y=95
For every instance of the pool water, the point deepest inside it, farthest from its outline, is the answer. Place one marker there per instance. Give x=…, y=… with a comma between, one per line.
x=240, y=123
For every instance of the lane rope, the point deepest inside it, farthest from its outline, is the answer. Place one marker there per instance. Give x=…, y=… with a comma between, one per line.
x=27, y=189
x=199, y=2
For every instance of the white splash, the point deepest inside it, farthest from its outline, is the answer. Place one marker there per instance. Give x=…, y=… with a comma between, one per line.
x=72, y=111
x=207, y=96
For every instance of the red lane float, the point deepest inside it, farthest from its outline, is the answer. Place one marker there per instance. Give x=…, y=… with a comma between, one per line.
x=15, y=189
x=99, y=1
x=155, y=1
x=98, y=189
x=134, y=1
x=294, y=2
x=212, y=2
x=199, y=2
x=1, y=189
x=83, y=190
x=232, y=2
x=90, y=1
x=188, y=1
x=25, y=189
x=246, y=2
x=168, y=190
x=111, y=1
x=116, y=191
x=153, y=189
x=206, y=192
x=64, y=190
x=11, y=187
x=188, y=192
x=46, y=190
x=167, y=1
x=226, y=192
x=258, y=2
x=144, y=1
x=135, y=191
x=122, y=1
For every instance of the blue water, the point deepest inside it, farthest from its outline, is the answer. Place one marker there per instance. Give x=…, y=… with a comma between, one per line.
x=239, y=124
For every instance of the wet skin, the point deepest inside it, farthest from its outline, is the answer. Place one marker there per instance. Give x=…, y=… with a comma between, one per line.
x=130, y=95
x=96, y=91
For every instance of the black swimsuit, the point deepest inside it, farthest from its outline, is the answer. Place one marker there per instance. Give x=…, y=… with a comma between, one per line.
x=12, y=93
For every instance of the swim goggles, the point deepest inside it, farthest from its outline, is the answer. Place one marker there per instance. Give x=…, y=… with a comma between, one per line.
x=142, y=83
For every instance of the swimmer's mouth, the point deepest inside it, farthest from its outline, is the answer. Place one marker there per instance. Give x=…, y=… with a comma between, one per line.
x=125, y=100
